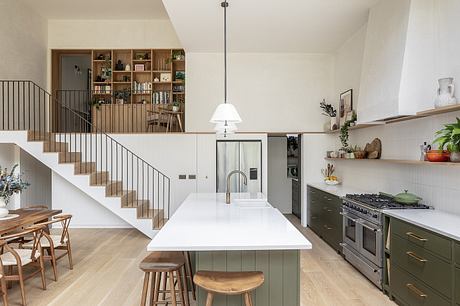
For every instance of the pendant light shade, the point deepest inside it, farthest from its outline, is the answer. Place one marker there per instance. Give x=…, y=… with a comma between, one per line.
x=225, y=116
x=225, y=112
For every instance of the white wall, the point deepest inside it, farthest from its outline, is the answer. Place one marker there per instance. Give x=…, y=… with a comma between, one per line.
x=39, y=177
x=272, y=92
x=23, y=37
x=279, y=185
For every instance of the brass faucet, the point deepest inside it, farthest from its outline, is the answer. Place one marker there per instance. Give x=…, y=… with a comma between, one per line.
x=227, y=194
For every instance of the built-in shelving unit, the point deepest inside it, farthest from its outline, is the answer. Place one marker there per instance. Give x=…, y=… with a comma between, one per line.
x=423, y=114
x=396, y=161
x=144, y=82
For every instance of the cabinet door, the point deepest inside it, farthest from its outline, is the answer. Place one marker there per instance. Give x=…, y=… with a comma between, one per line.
x=457, y=286
x=457, y=253
x=206, y=163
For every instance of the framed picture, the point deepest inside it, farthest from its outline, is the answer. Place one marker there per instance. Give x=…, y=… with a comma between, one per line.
x=139, y=67
x=165, y=77
x=346, y=106
x=180, y=75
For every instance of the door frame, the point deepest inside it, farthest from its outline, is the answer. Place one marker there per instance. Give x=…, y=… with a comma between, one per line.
x=56, y=55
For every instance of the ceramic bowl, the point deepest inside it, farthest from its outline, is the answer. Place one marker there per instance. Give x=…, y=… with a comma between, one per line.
x=438, y=156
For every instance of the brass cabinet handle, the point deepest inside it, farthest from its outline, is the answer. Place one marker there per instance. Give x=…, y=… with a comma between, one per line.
x=416, y=257
x=417, y=291
x=314, y=217
x=327, y=227
x=410, y=234
x=327, y=209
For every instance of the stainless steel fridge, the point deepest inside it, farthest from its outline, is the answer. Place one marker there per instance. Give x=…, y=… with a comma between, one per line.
x=245, y=156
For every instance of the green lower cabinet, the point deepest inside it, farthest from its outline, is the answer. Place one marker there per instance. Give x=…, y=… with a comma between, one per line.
x=324, y=216
x=457, y=286
x=410, y=291
x=457, y=253
x=281, y=271
x=426, y=267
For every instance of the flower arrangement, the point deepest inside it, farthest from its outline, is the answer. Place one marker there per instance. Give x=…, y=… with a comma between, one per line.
x=10, y=183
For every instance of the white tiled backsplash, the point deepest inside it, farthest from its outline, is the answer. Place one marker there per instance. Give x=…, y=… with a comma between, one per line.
x=439, y=186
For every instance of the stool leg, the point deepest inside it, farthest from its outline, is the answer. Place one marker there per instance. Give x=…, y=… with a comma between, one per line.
x=157, y=287
x=172, y=287
x=165, y=279
x=248, y=299
x=187, y=299
x=180, y=287
x=188, y=267
x=152, y=288
x=209, y=299
x=145, y=288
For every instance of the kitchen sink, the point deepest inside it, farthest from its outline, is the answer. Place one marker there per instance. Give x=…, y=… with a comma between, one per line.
x=252, y=204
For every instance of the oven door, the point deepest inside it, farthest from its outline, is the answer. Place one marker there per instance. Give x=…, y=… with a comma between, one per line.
x=371, y=242
x=350, y=229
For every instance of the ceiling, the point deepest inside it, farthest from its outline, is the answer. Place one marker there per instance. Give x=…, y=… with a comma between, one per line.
x=99, y=9
x=313, y=26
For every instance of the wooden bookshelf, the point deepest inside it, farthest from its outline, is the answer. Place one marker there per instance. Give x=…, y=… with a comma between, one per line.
x=144, y=81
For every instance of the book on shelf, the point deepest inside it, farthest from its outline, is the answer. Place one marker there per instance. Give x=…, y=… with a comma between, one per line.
x=102, y=89
x=145, y=87
x=161, y=97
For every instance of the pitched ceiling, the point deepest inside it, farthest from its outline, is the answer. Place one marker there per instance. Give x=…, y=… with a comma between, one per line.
x=314, y=26
x=99, y=9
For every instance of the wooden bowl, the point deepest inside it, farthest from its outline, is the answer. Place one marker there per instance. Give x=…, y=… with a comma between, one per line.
x=438, y=156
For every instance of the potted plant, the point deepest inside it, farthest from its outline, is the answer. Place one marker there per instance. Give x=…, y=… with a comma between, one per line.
x=448, y=137
x=176, y=106
x=10, y=184
x=344, y=136
x=122, y=96
x=329, y=111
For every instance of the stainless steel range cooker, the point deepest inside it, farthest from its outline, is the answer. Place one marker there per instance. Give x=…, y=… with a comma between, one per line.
x=363, y=231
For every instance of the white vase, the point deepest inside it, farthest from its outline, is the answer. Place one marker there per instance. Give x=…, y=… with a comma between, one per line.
x=334, y=125
x=3, y=210
x=446, y=93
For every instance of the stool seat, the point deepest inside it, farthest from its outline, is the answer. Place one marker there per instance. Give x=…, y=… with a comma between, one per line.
x=228, y=283
x=162, y=262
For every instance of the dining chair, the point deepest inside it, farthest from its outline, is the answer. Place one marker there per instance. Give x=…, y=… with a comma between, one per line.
x=157, y=121
x=2, y=279
x=21, y=258
x=53, y=242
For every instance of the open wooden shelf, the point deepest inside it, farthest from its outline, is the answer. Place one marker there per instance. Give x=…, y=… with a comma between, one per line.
x=423, y=114
x=397, y=161
x=356, y=127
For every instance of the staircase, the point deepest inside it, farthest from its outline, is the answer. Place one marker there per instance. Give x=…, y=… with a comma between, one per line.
x=91, y=160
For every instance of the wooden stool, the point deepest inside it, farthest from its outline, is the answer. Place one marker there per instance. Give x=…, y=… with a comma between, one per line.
x=189, y=274
x=164, y=265
x=3, y=287
x=229, y=283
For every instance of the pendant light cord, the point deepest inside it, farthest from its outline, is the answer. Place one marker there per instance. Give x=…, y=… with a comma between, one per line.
x=225, y=5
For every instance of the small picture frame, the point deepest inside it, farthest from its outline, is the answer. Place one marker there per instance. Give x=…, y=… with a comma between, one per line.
x=139, y=67
x=346, y=106
x=165, y=77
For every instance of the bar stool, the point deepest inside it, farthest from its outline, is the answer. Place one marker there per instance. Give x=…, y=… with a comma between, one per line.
x=189, y=274
x=229, y=283
x=169, y=266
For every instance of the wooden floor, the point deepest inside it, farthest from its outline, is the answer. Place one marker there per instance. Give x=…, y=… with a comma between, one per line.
x=106, y=273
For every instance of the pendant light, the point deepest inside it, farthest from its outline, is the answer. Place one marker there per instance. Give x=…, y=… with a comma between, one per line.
x=225, y=116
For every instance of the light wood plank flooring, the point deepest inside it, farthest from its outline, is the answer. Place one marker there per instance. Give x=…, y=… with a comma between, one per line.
x=106, y=273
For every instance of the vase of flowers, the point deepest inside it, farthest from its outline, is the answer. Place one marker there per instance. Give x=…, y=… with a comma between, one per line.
x=10, y=183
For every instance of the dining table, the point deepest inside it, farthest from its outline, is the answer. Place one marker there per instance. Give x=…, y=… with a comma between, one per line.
x=26, y=217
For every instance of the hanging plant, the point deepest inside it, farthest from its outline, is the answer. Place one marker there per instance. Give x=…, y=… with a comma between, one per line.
x=328, y=109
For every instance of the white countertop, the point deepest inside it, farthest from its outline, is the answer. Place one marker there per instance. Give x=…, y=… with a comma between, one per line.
x=205, y=223
x=440, y=222
x=338, y=190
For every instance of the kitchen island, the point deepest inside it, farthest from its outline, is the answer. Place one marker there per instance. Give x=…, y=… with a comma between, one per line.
x=247, y=235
